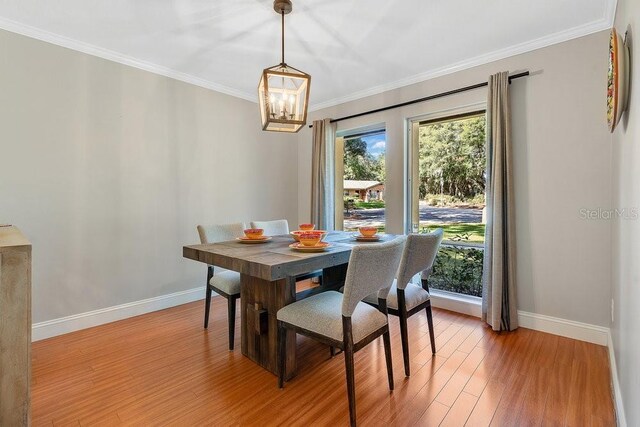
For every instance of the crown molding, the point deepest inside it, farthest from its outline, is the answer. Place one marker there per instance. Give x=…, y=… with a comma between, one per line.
x=69, y=43
x=610, y=12
x=583, y=30
x=603, y=24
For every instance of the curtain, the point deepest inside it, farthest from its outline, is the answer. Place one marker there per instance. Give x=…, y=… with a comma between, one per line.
x=322, y=174
x=499, y=308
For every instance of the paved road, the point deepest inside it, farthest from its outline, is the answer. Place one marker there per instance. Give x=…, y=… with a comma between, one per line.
x=374, y=217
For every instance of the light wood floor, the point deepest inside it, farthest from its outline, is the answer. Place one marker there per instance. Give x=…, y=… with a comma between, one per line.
x=163, y=368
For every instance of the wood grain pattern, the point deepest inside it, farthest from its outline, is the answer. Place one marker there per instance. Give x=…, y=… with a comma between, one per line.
x=274, y=260
x=15, y=327
x=162, y=368
x=269, y=296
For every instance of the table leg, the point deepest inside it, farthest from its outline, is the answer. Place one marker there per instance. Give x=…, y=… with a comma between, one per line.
x=333, y=277
x=260, y=301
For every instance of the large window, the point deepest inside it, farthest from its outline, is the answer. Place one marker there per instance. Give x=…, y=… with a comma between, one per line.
x=361, y=174
x=447, y=190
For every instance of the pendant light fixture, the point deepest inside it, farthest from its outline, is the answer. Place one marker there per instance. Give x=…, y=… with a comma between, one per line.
x=283, y=91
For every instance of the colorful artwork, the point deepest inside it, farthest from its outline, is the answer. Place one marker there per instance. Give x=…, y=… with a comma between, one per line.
x=611, y=84
x=617, y=79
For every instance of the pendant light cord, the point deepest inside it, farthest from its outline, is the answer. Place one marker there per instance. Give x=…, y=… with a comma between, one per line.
x=282, y=13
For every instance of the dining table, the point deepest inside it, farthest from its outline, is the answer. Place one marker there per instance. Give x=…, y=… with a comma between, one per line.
x=268, y=273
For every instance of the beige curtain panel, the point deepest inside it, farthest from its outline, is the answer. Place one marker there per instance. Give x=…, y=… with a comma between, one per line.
x=322, y=181
x=499, y=307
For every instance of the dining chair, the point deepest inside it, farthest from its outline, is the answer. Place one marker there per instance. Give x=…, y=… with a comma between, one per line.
x=343, y=320
x=276, y=227
x=225, y=283
x=405, y=298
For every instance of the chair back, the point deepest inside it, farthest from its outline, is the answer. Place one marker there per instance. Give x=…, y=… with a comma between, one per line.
x=372, y=268
x=277, y=227
x=419, y=253
x=220, y=232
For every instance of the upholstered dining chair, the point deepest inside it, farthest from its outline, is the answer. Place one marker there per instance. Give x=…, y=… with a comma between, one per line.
x=406, y=299
x=343, y=320
x=276, y=227
x=226, y=283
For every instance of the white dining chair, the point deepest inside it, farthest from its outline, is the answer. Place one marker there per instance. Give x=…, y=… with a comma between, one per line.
x=405, y=298
x=343, y=320
x=225, y=283
x=278, y=227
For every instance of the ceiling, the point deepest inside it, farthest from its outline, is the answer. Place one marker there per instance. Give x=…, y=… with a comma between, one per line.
x=351, y=48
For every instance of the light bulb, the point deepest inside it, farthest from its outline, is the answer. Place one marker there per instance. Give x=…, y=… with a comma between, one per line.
x=291, y=101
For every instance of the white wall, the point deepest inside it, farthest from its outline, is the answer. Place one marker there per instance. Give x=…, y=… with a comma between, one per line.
x=562, y=164
x=625, y=327
x=108, y=169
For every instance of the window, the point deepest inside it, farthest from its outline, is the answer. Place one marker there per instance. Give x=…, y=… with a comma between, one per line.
x=447, y=190
x=360, y=171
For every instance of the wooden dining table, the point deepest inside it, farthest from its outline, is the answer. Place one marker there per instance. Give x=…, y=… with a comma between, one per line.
x=268, y=274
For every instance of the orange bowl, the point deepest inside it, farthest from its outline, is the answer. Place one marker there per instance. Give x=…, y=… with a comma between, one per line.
x=296, y=234
x=368, y=231
x=307, y=227
x=253, y=233
x=310, y=238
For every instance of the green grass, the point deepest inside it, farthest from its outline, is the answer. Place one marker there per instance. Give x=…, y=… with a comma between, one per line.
x=475, y=231
x=448, y=200
x=370, y=205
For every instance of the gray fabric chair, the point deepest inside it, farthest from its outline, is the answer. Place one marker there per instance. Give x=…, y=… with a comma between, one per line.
x=343, y=320
x=406, y=299
x=225, y=283
x=278, y=227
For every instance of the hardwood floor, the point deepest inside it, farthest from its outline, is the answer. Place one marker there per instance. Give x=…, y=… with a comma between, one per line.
x=163, y=368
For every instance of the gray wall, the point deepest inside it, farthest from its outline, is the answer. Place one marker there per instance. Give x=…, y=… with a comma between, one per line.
x=562, y=165
x=108, y=169
x=625, y=327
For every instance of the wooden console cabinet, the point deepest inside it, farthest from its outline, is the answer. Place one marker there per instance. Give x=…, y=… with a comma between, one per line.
x=15, y=327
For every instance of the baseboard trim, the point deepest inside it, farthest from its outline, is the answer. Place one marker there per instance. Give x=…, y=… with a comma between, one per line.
x=539, y=322
x=617, y=393
x=564, y=328
x=553, y=325
x=76, y=322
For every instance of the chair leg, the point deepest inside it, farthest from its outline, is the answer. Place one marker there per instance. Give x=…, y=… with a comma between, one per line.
x=351, y=382
x=404, y=335
x=431, y=334
x=282, y=346
x=387, y=354
x=207, y=307
x=231, y=313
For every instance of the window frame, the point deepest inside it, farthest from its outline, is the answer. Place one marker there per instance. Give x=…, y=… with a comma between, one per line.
x=341, y=136
x=411, y=148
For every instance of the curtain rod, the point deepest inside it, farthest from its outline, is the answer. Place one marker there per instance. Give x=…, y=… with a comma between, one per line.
x=426, y=98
